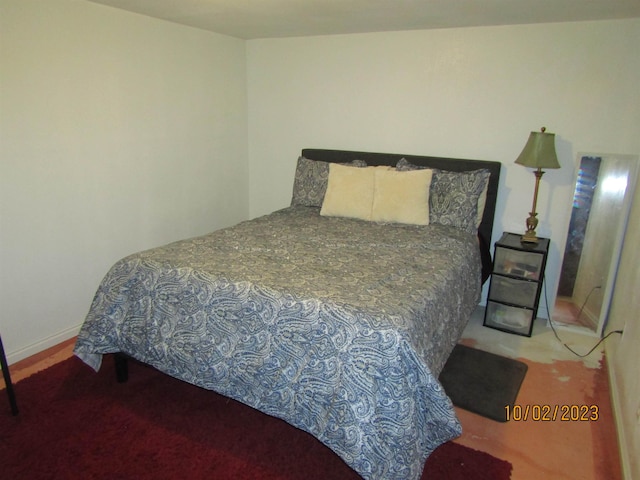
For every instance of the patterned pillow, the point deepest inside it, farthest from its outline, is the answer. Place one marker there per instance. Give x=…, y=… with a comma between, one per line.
x=454, y=196
x=310, y=182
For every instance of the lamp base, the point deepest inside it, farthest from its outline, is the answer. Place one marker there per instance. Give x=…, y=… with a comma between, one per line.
x=529, y=237
x=532, y=223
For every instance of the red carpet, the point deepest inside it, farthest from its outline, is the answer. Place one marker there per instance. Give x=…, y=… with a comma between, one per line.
x=76, y=424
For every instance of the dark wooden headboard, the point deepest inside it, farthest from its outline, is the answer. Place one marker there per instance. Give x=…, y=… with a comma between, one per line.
x=452, y=164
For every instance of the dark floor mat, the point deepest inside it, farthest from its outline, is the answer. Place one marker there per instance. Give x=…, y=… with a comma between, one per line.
x=482, y=382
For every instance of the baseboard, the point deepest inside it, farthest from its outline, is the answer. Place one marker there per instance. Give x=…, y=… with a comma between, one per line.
x=52, y=341
x=623, y=445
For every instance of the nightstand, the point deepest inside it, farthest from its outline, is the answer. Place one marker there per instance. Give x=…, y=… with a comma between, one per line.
x=516, y=283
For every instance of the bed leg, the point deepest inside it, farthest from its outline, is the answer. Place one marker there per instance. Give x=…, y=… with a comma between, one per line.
x=122, y=367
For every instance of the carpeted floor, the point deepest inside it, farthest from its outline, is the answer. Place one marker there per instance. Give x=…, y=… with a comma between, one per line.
x=76, y=424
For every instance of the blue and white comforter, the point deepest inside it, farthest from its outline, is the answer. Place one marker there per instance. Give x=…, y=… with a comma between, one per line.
x=338, y=326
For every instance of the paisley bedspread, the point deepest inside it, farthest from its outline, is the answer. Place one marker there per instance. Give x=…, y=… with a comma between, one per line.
x=338, y=326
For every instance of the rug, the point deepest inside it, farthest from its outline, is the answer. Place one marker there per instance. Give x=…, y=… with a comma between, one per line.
x=76, y=424
x=482, y=382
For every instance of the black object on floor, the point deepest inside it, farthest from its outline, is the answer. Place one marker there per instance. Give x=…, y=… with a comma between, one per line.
x=482, y=382
x=7, y=380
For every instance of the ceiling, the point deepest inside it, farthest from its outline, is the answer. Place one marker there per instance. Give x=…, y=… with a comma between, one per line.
x=250, y=19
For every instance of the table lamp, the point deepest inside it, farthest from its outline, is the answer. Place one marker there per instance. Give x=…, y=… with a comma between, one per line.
x=538, y=153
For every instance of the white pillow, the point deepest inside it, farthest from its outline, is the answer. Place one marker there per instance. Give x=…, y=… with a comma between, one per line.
x=349, y=192
x=402, y=196
x=380, y=194
x=482, y=202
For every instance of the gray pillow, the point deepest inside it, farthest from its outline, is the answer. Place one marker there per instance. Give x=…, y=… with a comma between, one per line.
x=310, y=182
x=453, y=197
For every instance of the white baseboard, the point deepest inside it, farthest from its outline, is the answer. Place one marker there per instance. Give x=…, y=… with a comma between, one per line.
x=623, y=445
x=21, y=354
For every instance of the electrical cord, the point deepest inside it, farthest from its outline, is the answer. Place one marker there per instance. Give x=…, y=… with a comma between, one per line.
x=546, y=300
x=584, y=304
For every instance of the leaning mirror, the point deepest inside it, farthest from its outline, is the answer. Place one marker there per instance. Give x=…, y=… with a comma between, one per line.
x=600, y=210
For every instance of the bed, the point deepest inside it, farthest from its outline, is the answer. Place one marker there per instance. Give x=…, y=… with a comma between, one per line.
x=337, y=324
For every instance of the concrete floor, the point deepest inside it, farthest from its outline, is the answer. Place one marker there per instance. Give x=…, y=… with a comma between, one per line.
x=573, y=449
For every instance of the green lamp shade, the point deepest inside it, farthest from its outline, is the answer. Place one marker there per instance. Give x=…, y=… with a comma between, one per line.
x=540, y=151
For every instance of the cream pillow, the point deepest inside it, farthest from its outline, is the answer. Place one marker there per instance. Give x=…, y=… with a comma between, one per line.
x=402, y=196
x=349, y=192
x=482, y=202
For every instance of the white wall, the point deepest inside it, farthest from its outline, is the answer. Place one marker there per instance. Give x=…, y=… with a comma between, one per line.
x=623, y=355
x=466, y=93
x=118, y=133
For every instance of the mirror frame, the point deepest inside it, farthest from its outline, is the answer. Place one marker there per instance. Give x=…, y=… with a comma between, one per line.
x=617, y=242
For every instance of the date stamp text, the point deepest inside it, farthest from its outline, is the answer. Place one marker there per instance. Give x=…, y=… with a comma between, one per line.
x=553, y=413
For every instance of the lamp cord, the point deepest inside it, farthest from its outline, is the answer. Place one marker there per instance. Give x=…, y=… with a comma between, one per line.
x=546, y=300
